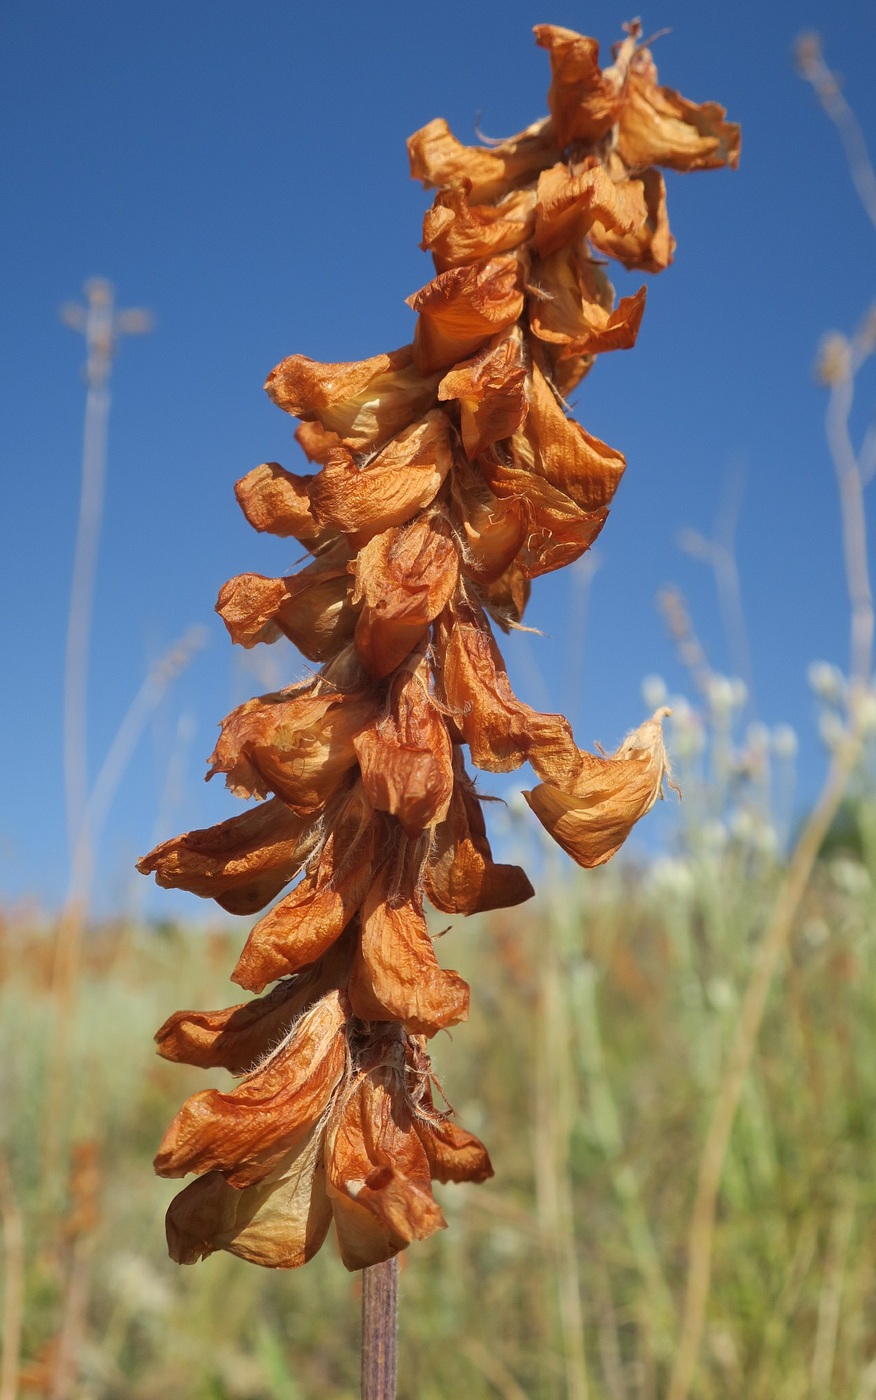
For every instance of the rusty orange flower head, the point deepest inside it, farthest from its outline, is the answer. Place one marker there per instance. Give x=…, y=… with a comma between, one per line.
x=444, y=478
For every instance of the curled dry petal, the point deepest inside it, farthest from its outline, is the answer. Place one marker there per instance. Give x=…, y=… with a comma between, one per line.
x=396, y=976
x=391, y=487
x=558, y=530
x=294, y=743
x=405, y=756
x=437, y=158
x=463, y=307
x=491, y=530
x=584, y=101
x=303, y=926
x=242, y=863
x=555, y=447
x=453, y=1153
x=279, y=1223
x=315, y=441
x=461, y=876
x=592, y=816
x=378, y=1173
x=247, y=1133
x=659, y=127
x=278, y=502
x=404, y=578
x=457, y=232
x=649, y=245
x=506, y=599
x=568, y=205
x=501, y=732
x=311, y=608
x=491, y=391
x=573, y=310
x=364, y=402
x=238, y=1037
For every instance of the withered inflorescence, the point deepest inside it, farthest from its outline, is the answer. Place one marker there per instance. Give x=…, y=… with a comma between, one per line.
x=447, y=475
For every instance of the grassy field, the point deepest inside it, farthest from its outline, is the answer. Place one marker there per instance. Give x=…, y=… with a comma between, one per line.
x=601, y=1014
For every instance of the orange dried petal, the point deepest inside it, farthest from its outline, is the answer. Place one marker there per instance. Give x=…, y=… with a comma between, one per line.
x=660, y=127
x=461, y=308
x=557, y=448
x=311, y=608
x=584, y=100
x=437, y=158
x=457, y=232
x=405, y=757
x=493, y=530
x=491, y=391
x=242, y=863
x=390, y=488
x=558, y=531
x=649, y=245
x=396, y=976
x=461, y=876
x=278, y=502
x=304, y=925
x=279, y=1224
x=295, y=743
x=568, y=205
x=592, y=816
x=364, y=402
x=573, y=311
x=404, y=577
x=247, y=1133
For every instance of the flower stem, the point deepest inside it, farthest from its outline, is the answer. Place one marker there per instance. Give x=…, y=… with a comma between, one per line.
x=379, y=1330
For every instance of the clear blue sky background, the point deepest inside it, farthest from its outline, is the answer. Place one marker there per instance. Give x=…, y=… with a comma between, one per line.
x=241, y=170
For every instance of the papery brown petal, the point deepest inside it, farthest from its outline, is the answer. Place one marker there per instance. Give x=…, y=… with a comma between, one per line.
x=501, y=732
x=280, y=1223
x=573, y=310
x=453, y=1153
x=460, y=875
x=505, y=600
x=596, y=812
x=491, y=391
x=304, y=925
x=493, y=530
x=396, y=976
x=246, y=1134
x=660, y=127
x=405, y=757
x=364, y=401
x=391, y=487
x=293, y=742
x=316, y=442
x=457, y=232
x=437, y=158
x=312, y=608
x=238, y=1037
x=242, y=863
x=378, y=1175
x=558, y=531
x=559, y=449
x=584, y=101
x=462, y=308
x=404, y=578
x=649, y=245
x=568, y=205
x=278, y=502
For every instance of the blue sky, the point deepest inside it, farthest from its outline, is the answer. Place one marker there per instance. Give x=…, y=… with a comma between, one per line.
x=241, y=170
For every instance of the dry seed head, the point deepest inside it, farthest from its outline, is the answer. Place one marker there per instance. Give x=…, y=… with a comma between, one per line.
x=446, y=476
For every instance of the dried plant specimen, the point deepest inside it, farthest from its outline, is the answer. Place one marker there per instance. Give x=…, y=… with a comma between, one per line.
x=446, y=476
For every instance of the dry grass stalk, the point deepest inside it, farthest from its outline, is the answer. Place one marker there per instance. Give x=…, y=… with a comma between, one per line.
x=840, y=362
x=13, y=1287
x=447, y=476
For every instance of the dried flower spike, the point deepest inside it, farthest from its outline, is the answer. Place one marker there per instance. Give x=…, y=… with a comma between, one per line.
x=446, y=476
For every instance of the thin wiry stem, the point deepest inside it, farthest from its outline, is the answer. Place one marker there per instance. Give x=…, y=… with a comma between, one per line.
x=829, y=93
